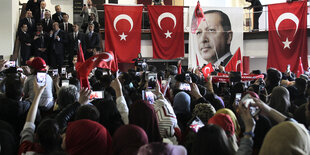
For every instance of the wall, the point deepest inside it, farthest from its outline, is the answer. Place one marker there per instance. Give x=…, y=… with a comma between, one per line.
x=9, y=8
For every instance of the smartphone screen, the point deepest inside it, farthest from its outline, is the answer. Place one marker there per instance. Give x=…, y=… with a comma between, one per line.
x=185, y=87
x=237, y=98
x=246, y=101
x=187, y=77
x=55, y=72
x=63, y=70
x=149, y=96
x=152, y=79
x=9, y=64
x=97, y=95
x=196, y=124
x=64, y=82
x=41, y=78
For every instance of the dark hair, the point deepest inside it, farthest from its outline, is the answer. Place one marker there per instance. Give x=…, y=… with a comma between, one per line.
x=225, y=22
x=49, y=135
x=76, y=82
x=67, y=95
x=211, y=139
x=13, y=87
x=87, y=112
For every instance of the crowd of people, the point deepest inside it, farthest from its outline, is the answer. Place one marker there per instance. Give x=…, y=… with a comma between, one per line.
x=53, y=37
x=264, y=116
x=45, y=110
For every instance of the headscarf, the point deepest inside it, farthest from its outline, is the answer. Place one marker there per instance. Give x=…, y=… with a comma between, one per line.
x=204, y=111
x=224, y=121
x=167, y=120
x=289, y=138
x=143, y=115
x=233, y=118
x=128, y=139
x=280, y=99
x=162, y=148
x=87, y=137
x=181, y=103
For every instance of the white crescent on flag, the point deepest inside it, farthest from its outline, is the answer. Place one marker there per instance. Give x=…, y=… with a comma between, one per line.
x=123, y=16
x=284, y=16
x=109, y=58
x=167, y=15
x=238, y=62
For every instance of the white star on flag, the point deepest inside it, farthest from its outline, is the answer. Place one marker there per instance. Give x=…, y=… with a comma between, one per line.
x=286, y=44
x=94, y=59
x=168, y=34
x=123, y=36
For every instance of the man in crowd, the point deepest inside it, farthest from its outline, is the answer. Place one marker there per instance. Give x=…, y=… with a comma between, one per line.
x=34, y=7
x=58, y=16
x=42, y=10
x=58, y=39
x=92, y=42
x=87, y=10
x=29, y=21
x=73, y=38
x=66, y=26
x=47, y=22
x=25, y=42
x=214, y=36
x=40, y=42
x=91, y=21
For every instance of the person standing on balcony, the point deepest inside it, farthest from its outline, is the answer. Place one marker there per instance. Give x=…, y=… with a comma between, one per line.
x=58, y=16
x=34, y=7
x=258, y=8
x=158, y=2
x=87, y=11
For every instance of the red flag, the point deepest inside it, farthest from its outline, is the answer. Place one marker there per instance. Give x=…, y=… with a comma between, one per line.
x=235, y=63
x=180, y=67
x=80, y=57
x=167, y=31
x=123, y=31
x=300, y=68
x=103, y=60
x=287, y=36
x=207, y=69
x=197, y=17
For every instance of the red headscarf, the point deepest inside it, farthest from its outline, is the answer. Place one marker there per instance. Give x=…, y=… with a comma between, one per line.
x=224, y=121
x=86, y=137
x=143, y=115
x=128, y=139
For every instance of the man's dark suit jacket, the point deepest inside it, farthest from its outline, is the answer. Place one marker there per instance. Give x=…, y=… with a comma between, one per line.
x=58, y=19
x=70, y=27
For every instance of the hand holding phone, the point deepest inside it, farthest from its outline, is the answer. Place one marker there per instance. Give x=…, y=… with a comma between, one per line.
x=246, y=102
x=152, y=80
x=41, y=78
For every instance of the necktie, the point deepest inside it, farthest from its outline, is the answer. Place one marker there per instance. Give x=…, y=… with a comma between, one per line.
x=29, y=20
x=66, y=27
x=74, y=35
x=42, y=14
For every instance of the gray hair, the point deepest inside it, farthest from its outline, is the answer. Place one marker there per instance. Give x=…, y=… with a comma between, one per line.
x=67, y=95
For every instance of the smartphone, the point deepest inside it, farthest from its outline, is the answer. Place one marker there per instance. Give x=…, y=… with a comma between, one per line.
x=9, y=64
x=97, y=95
x=237, y=98
x=149, y=96
x=41, y=78
x=55, y=72
x=63, y=70
x=196, y=124
x=151, y=79
x=64, y=82
x=246, y=101
x=185, y=87
x=187, y=77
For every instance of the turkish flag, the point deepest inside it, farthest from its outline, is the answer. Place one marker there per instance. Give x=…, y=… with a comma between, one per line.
x=167, y=31
x=206, y=70
x=123, y=31
x=300, y=68
x=287, y=37
x=235, y=63
x=197, y=17
x=103, y=60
